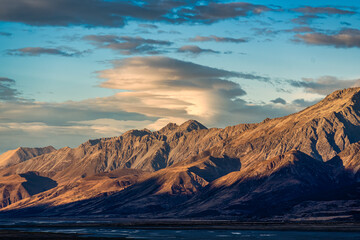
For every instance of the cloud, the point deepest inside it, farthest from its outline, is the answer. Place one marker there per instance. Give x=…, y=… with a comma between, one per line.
x=345, y=38
x=217, y=39
x=152, y=92
x=37, y=51
x=301, y=29
x=94, y=13
x=323, y=10
x=127, y=45
x=168, y=32
x=112, y=127
x=146, y=25
x=324, y=85
x=305, y=19
x=82, y=12
x=62, y=124
x=5, y=34
x=345, y=23
x=214, y=11
x=279, y=100
x=310, y=13
x=7, y=90
x=168, y=88
x=302, y=103
x=195, y=50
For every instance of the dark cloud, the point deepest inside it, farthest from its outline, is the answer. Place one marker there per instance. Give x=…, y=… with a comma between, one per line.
x=217, y=39
x=37, y=51
x=145, y=25
x=127, y=45
x=279, y=100
x=324, y=85
x=5, y=34
x=311, y=13
x=107, y=13
x=346, y=38
x=322, y=10
x=82, y=12
x=214, y=11
x=193, y=49
x=7, y=90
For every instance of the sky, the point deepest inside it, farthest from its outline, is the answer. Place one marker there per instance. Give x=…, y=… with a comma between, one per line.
x=73, y=70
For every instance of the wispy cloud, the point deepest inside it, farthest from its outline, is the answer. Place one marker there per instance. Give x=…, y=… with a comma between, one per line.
x=217, y=39
x=146, y=25
x=324, y=85
x=195, y=50
x=214, y=11
x=5, y=34
x=128, y=45
x=305, y=19
x=302, y=103
x=37, y=51
x=346, y=38
x=8, y=92
x=323, y=10
x=301, y=30
x=310, y=13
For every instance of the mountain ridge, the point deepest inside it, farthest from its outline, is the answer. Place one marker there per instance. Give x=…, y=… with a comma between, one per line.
x=244, y=171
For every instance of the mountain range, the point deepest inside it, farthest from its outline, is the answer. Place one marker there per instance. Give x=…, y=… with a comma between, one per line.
x=305, y=166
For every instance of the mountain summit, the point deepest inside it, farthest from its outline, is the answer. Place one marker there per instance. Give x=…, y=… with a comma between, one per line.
x=247, y=171
x=22, y=154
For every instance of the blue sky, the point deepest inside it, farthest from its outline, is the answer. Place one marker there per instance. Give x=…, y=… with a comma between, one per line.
x=78, y=69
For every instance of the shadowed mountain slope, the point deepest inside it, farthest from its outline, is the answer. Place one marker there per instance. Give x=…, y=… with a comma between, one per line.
x=16, y=187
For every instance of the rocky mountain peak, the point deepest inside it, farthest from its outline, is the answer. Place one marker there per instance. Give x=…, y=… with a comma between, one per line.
x=168, y=128
x=344, y=93
x=22, y=154
x=191, y=125
x=138, y=133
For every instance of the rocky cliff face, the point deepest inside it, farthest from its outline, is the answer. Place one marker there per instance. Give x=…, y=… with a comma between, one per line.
x=243, y=171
